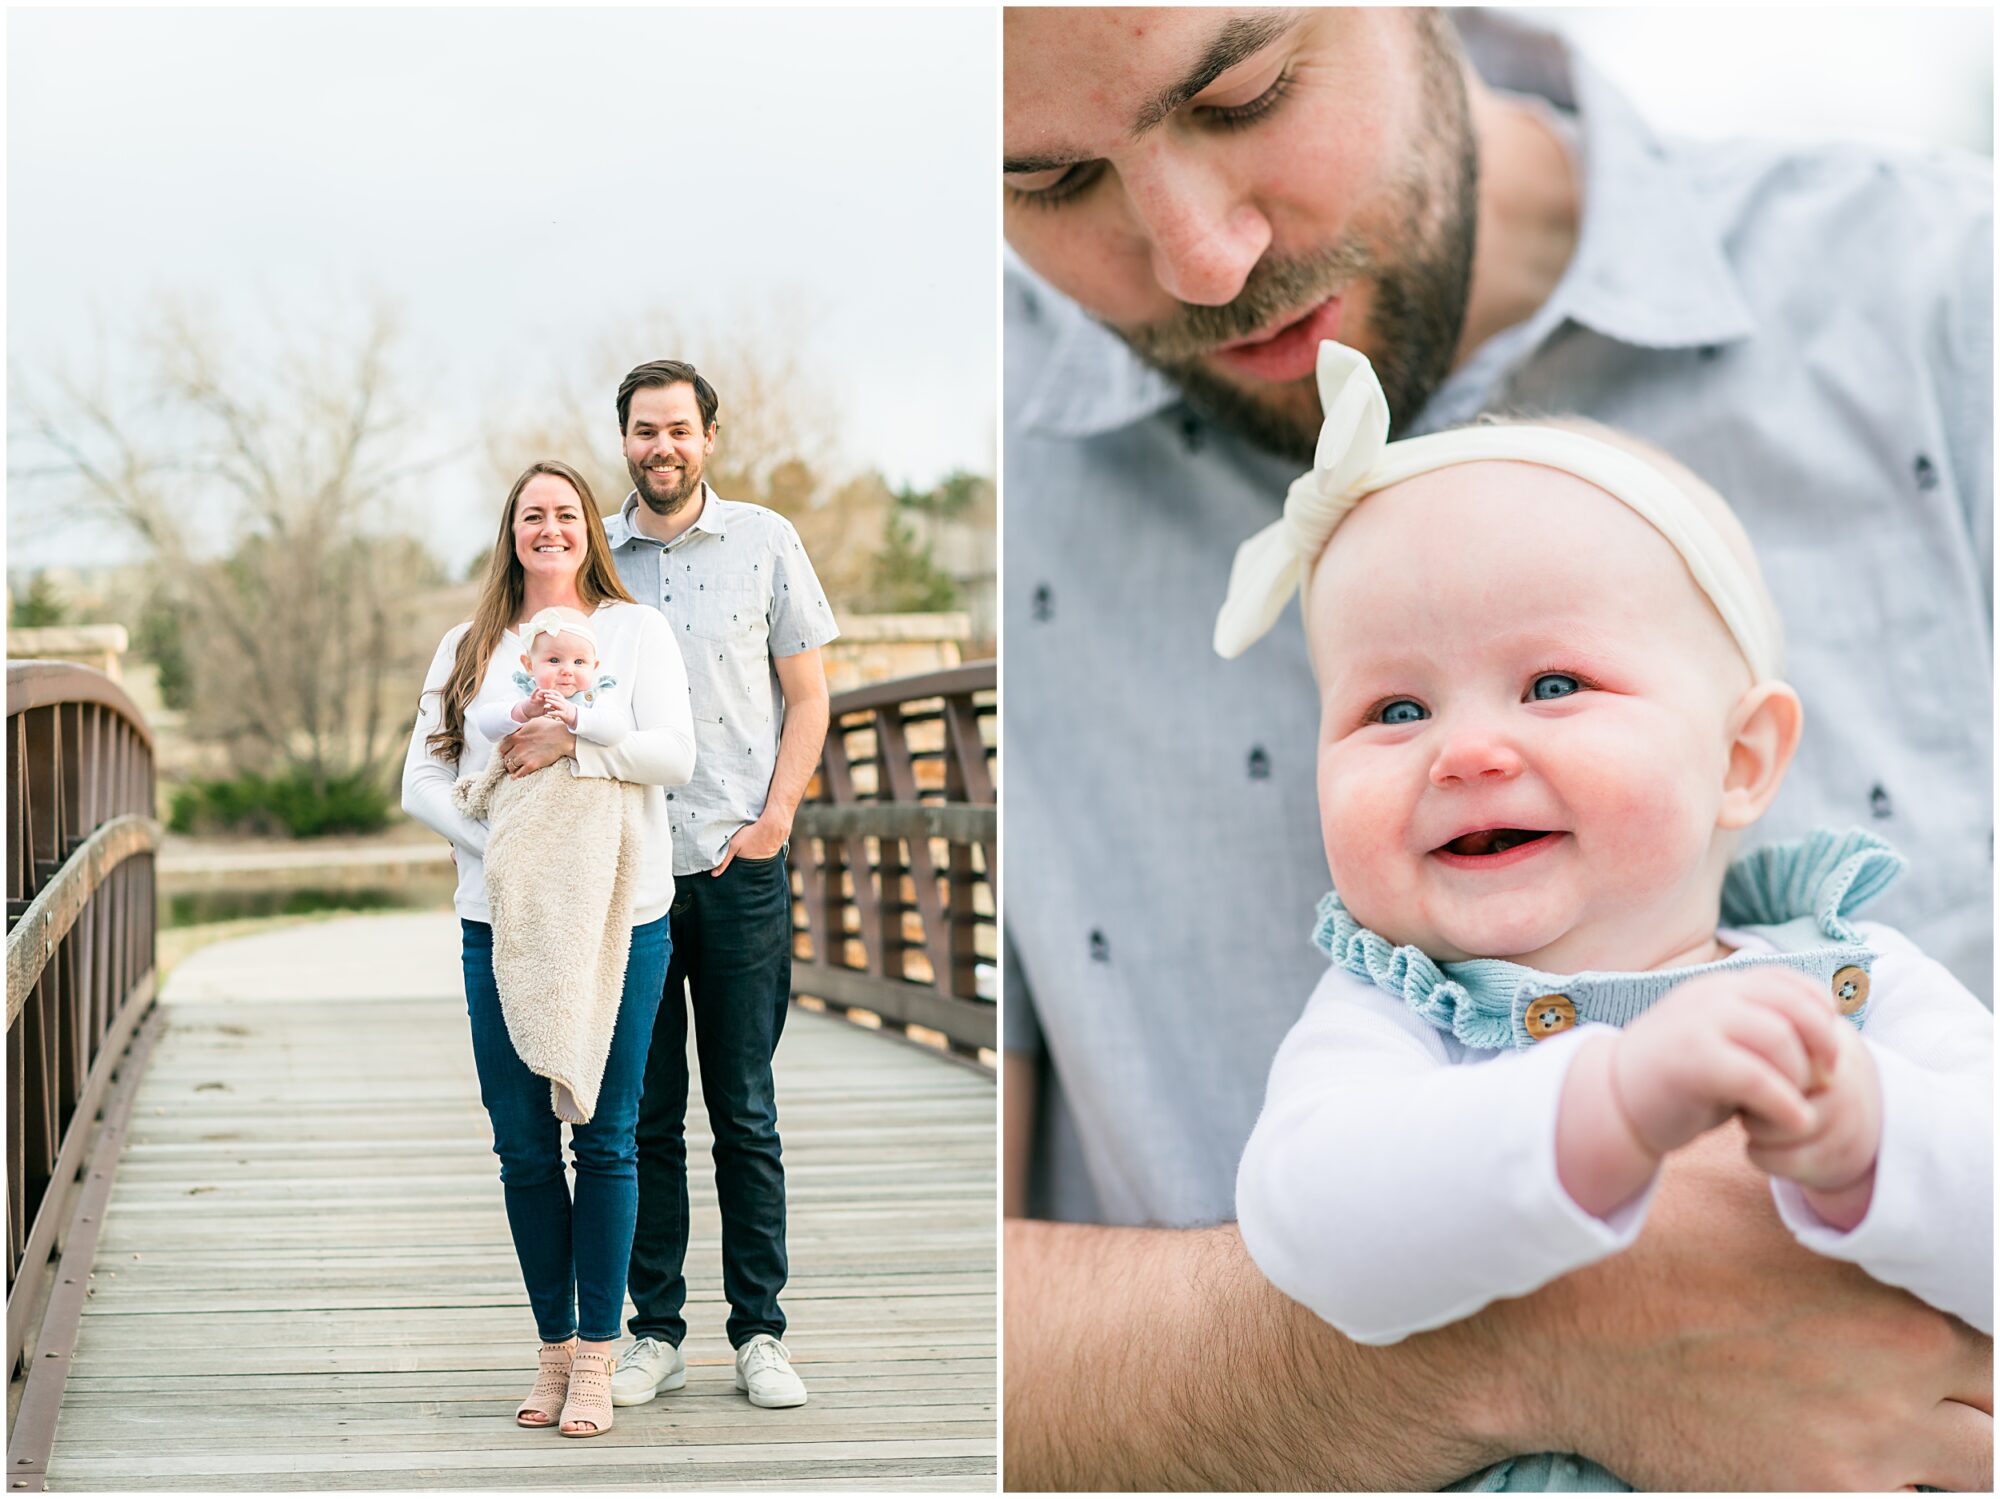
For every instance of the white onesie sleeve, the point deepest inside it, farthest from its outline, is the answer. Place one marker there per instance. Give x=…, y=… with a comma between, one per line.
x=1929, y=1227
x=1397, y=1182
x=604, y=722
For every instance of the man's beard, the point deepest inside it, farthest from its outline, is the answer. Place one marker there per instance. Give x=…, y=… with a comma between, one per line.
x=690, y=482
x=1419, y=299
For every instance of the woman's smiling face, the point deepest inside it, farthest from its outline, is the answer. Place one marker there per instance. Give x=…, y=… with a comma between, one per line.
x=1525, y=722
x=550, y=534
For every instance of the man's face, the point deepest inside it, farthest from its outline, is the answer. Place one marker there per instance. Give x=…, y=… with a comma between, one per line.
x=1224, y=189
x=665, y=446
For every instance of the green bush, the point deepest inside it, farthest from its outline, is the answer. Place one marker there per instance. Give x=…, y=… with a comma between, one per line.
x=37, y=606
x=158, y=638
x=293, y=802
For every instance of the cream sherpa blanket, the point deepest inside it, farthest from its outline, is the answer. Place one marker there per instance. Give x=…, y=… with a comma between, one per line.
x=562, y=852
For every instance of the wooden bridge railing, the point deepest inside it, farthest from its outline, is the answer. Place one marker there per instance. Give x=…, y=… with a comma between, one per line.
x=896, y=851
x=80, y=927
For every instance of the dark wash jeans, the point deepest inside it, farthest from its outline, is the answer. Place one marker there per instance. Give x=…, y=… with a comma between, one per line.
x=573, y=1255
x=733, y=952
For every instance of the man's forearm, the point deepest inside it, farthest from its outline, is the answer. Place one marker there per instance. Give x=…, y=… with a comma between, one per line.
x=1162, y=1359
x=1715, y=1352
x=798, y=754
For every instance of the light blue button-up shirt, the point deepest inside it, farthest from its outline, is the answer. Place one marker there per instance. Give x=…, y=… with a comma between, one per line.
x=738, y=589
x=1809, y=330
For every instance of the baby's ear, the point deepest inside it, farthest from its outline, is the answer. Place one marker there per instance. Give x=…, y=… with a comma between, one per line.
x=524, y=659
x=1764, y=735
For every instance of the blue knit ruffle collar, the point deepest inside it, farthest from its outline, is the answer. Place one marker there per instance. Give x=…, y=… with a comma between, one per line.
x=1825, y=876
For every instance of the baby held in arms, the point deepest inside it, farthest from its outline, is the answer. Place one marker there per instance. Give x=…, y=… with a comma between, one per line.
x=559, y=679
x=562, y=852
x=1551, y=706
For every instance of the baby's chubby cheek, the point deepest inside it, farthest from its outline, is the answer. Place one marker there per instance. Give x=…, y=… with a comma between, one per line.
x=1364, y=824
x=1642, y=827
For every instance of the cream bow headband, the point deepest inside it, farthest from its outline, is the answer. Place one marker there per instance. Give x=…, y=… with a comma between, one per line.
x=556, y=622
x=1355, y=458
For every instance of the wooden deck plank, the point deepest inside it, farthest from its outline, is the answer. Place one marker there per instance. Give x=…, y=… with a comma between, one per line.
x=314, y=1218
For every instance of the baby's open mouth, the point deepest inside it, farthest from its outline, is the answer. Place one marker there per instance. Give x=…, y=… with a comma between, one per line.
x=1492, y=841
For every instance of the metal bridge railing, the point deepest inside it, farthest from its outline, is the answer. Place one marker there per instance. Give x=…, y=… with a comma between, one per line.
x=80, y=927
x=896, y=852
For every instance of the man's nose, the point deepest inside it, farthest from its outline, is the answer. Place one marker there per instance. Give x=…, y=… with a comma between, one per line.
x=1475, y=753
x=1203, y=232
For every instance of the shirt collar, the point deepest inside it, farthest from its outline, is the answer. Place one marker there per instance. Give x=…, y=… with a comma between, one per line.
x=1649, y=268
x=1799, y=895
x=714, y=519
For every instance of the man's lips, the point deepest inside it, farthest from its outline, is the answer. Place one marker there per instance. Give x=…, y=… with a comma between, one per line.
x=1495, y=848
x=1288, y=352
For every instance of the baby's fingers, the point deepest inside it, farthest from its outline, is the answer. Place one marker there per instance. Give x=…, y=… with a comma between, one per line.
x=1790, y=1160
x=1760, y=1090
x=1767, y=1134
x=1809, y=1010
x=1772, y=1036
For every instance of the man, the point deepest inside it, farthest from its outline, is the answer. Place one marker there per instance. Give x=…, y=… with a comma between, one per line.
x=750, y=616
x=1195, y=199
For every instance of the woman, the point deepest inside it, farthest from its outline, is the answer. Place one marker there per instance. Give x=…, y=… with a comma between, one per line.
x=552, y=553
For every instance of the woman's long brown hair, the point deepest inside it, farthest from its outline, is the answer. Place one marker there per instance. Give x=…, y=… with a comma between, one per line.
x=500, y=603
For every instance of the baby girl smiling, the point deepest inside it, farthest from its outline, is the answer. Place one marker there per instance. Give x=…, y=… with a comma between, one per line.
x=1549, y=706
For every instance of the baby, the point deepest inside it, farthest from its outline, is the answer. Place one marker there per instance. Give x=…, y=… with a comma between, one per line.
x=1548, y=675
x=558, y=679
x=561, y=854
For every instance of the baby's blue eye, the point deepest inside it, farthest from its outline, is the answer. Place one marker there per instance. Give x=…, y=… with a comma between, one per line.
x=1403, y=710
x=1553, y=684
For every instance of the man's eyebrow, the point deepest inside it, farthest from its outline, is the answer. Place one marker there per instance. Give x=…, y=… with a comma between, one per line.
x=1047, y=162
x=1238, y=40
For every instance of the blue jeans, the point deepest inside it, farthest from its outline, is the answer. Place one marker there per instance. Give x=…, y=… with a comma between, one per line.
x=573, y=1256
x=733, y=957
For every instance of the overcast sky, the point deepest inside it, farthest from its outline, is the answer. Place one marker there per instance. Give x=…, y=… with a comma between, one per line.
x=512, y=178
x=515, y=177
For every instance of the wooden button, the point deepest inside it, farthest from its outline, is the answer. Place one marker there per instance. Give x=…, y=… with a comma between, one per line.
x=1850, y=989
x=1551, y=1015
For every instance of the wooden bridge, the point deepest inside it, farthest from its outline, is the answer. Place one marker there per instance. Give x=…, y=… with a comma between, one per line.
x=256, y=1237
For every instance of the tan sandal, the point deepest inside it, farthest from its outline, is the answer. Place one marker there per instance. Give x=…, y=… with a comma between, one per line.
x=551, y=1386
x=589, y=1394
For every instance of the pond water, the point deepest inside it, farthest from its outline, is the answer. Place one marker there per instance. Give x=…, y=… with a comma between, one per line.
x=209, y=903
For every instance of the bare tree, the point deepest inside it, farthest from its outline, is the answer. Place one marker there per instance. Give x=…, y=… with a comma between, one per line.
x=776, y=446
x=264, y=489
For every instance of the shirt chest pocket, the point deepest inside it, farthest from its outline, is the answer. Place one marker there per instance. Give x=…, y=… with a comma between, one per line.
x=731, y=611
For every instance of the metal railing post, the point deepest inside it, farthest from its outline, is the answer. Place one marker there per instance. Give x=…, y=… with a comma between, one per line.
x=79, y=943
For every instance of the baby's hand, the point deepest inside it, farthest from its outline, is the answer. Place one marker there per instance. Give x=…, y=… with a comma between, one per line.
x=1756, y=1041
x=519, y=712
x=1834, y=1160
x=553, y=706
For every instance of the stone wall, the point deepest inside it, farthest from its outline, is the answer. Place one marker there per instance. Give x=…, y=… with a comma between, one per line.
x=100, y=647
x=880, y=647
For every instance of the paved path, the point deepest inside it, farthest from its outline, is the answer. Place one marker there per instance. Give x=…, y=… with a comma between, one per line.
x=305, y=1279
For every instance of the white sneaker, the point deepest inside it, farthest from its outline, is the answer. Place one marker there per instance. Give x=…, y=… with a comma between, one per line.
x=646, y=1368
x=764, y=1373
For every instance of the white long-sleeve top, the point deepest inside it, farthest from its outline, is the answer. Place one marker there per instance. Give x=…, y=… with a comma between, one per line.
x=1397, y=1181
x=634, y=646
